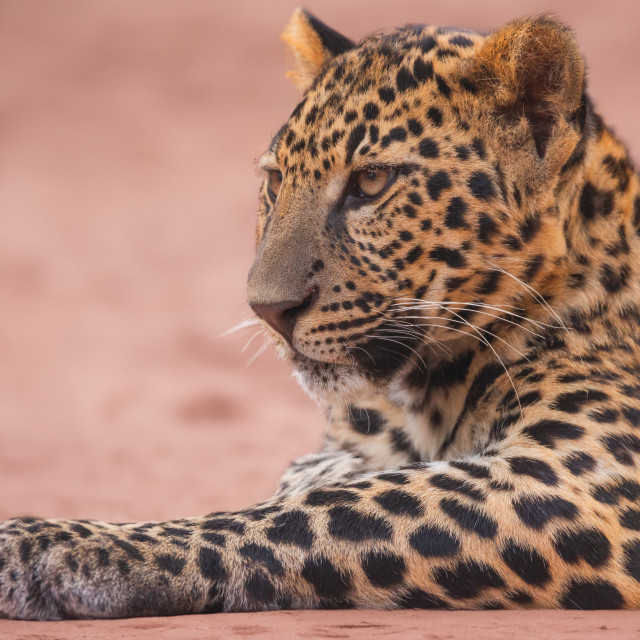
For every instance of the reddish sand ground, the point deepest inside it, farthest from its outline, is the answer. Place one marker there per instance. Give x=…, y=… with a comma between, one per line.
x=127, y=198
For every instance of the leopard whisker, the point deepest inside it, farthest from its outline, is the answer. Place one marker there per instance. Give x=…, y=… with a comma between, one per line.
x=464, y=305
x=495, y=353
x=349, y=348
x=474, y=327
x=257, y=354
x=491, y=315
x=402, y=345
x=250, y=340
x=423, y=300
x=540, y=298
x=244, y=324
x=429, y=341
x=536, y=294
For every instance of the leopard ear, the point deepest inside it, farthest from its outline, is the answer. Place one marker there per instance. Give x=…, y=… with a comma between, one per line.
x=313, y=43
x=533, y=68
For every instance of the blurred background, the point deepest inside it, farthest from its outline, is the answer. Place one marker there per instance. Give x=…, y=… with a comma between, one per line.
x=128, y=135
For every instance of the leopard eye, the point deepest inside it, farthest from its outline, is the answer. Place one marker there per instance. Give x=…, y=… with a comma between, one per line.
x=372, y=181
x=274, y=182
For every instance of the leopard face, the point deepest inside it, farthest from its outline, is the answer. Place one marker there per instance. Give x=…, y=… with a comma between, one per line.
x=410, y=186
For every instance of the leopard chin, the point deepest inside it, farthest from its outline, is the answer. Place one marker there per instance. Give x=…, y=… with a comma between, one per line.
x=330, y=383
x=370, y=368
x=325, y=382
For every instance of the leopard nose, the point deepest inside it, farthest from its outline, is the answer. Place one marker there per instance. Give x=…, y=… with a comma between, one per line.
x=283, y=316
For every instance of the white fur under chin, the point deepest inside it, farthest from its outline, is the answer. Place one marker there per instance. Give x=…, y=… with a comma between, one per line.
x=341, y=389
x=345, y=385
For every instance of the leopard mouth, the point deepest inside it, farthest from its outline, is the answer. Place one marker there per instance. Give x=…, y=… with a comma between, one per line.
x=372, y=361
x=367, y=359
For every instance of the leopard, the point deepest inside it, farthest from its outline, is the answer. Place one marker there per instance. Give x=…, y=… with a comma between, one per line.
x=447, y=253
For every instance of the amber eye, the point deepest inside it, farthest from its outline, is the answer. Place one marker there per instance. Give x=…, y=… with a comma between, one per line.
x=274, y=181
x=373, y=180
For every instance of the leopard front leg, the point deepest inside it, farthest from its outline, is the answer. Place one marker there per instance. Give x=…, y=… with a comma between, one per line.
x=54, y=569
x=505, y=531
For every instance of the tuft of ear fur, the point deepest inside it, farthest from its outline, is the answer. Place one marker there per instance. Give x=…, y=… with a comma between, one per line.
x=532, y=67
x=313, y=43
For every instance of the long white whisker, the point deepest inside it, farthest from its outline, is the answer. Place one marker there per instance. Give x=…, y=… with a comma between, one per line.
x=251, y=322
x=464, y=333
x=257, y=354
x=424, y=301
x=328, y=424
x=408, y=329
x=461, y=306
x=250, y=340
x=393, y=352
x=429, y=341
x=411, y=331
x=512, y=258
x=495, y=353
x=401, y=344
x=491, y=315
x=474, y=327
x=538, y=296
x=365, y=351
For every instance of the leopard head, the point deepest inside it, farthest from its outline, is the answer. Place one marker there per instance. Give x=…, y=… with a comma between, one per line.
x=419, y=178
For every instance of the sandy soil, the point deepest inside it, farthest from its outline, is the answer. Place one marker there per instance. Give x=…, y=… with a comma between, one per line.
x=127, y=196
x=357, y=625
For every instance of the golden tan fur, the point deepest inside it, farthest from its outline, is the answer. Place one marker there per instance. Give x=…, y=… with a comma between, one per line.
x=472, y=328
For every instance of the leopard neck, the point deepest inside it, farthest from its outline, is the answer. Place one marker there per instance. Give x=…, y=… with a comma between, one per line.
x=600, y=211
x=594, y=274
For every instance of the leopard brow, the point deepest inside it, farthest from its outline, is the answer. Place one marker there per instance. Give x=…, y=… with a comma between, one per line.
x=268, y=162
x=378, y=163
